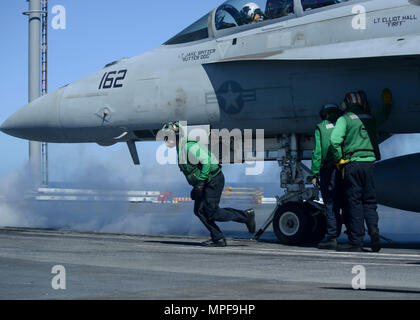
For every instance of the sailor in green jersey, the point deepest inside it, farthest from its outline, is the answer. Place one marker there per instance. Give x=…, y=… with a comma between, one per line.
x=323, y=168
x=204, y=173
x=356, y=148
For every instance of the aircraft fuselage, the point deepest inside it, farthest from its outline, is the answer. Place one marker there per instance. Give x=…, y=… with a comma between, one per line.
x=274, y=77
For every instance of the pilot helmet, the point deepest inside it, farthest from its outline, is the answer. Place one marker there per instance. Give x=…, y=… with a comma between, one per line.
x=272, y=8
x=278, y=8
x=330, y=109
x=250, y=10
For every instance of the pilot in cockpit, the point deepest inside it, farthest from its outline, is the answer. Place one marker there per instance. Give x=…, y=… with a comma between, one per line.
x=252, y=13
x=278, y=8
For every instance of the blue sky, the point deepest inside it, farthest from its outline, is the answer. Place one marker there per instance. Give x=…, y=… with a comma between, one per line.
x=97, y=33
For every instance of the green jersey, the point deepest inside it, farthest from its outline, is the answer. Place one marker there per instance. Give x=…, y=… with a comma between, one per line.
x=355, y=137
x=197, y=162
x=323, y=156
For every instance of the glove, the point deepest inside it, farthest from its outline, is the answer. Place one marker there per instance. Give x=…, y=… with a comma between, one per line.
x=198, y=191
x=313, y=180
x=387, y=96
x=341, y=164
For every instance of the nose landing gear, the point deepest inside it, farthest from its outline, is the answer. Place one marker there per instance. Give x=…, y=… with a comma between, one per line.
x=298, y=217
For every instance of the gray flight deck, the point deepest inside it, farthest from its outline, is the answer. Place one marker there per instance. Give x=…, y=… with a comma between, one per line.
x=113, y=266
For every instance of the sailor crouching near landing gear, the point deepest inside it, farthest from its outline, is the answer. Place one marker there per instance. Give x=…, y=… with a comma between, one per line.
x=323, y=168
x=204, y=173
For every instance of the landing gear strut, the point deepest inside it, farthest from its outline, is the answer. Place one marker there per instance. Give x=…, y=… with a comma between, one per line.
x=298, y=218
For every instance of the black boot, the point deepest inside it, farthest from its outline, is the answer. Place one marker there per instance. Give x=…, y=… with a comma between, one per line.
x=328, y=244
x=375, y=241
x=217, y=243
x=251, y=224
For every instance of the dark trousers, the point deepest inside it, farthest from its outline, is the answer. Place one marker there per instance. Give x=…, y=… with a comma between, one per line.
x=362, y=204
x=208, y=211
x=332, y=194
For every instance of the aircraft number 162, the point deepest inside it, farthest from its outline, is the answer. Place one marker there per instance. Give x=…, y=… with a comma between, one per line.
x=112, y=79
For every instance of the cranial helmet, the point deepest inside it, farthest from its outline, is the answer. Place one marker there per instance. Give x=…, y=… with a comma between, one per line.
x=171, y=126
x=365, y=101
x=171, y=131
x=330, y=109
x=354, y=99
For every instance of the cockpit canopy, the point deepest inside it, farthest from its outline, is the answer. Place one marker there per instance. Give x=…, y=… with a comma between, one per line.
x=197, y=31
x=237, y=13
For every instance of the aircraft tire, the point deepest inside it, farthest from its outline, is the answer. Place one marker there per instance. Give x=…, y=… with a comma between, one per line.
x=292, y=224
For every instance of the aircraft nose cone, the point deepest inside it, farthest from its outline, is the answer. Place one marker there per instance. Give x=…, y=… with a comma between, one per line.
x=37, y=121
x=11, y=125
x=19, y=125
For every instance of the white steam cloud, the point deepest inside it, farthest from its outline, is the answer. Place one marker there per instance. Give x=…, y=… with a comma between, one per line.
x=84, y=167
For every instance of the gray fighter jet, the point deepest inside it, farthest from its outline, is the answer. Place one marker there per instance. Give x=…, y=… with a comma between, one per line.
x=252, y=64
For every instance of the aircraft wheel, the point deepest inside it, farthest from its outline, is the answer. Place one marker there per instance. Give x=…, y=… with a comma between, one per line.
x=292, y=224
